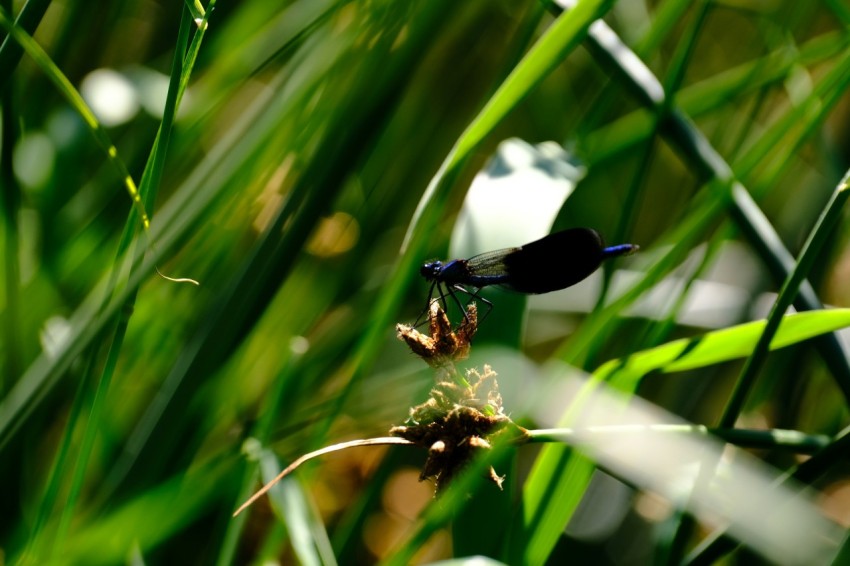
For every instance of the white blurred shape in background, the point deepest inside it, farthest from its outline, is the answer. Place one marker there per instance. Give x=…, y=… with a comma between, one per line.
x=514, y=200
x=111, y=96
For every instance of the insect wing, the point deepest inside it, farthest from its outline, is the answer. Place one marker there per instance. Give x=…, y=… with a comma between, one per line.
x=490, y=264
x=554, y=262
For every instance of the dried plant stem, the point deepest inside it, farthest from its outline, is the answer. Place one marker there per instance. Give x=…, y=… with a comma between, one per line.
x=380, y=441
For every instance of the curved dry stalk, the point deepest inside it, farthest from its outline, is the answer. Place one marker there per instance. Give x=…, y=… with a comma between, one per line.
x=176, y=279
x=380, y=441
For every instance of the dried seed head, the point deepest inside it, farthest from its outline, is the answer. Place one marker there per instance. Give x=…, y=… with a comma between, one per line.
x=456, y=423
x=443, y=346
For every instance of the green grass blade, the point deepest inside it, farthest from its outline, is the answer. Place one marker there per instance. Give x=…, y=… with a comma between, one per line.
x=719, y=346
x=823, y=229
x=10, y=51
x=561, y=38
x=197, y=9
x=64, y=86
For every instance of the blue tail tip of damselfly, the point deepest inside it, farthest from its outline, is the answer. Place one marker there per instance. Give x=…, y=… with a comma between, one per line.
x=621, y=249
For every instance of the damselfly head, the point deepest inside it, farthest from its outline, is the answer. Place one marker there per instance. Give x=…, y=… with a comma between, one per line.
x=431, y=270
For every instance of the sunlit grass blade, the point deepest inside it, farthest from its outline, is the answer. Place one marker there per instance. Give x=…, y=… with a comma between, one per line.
x=719, y=346
x=560, y=475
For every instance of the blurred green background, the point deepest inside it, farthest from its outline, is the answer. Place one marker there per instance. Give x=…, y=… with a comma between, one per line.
x=135, y=410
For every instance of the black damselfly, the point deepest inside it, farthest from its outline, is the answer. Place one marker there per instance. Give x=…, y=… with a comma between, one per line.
x=554, y=262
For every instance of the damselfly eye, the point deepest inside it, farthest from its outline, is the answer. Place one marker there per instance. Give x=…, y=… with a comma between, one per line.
x=430, y=270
